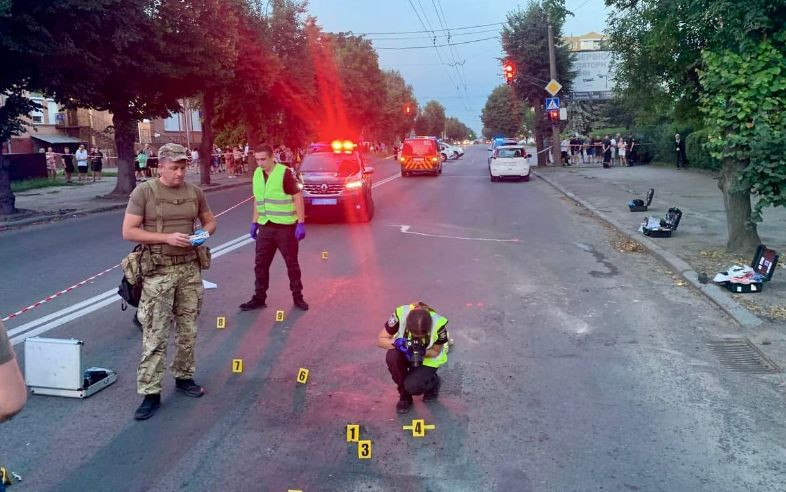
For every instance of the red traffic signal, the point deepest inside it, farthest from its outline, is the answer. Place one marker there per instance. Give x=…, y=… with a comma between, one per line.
x=408, y=109
x=554, y=115
x=510, y=72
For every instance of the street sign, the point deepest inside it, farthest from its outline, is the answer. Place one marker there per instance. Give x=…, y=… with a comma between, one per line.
x=552, y=103
x=553, y=87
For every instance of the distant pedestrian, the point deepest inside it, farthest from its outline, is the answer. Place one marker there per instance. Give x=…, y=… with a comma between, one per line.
x=230, y=162
x=633, y=151
x=607, y=151
x=563, y=148
x=81, y=162
x=68, y=163
x=237, y=156
x=51, y=164
x=96, y=163
x=679, y=148
x=152, y=164
x=141, y=165
x=623, y=150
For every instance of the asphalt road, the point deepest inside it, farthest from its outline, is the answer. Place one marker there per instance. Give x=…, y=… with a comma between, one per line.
x=576, y=366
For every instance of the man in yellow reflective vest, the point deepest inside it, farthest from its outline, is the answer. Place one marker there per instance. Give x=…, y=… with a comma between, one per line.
x=416, y=339
x=277, y=223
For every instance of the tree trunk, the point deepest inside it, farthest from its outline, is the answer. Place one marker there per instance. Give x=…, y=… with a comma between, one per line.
x=7, y=198
x=743, y=236
x=125, y=135
x=206, y=148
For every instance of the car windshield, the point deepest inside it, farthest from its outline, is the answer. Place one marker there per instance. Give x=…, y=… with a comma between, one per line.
x=419, y=147
x=508, y=152
x=343, y=164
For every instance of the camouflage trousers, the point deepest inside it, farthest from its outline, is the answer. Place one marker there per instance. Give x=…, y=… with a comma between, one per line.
x=169, y=292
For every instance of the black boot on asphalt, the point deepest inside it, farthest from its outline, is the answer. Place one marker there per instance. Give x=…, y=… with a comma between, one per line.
x=189, y=387
x=404, y=404
x=254, y=303
x=299, y=302
x=148, y=407
x=433, y=394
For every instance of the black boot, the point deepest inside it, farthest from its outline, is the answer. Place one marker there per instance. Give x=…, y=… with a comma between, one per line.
x=148, y=407
x=189, y=387
x=254, y=303
x=301, y=303
x=404, y=404
x=433, y=394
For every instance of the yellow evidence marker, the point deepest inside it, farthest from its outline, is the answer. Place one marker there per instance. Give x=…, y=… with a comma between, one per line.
x=353, y=432
x=302, y=375
x=324, y=255
x=221, y=322
x=364, y=449
x=279, y=315
x=419, y=427
x=237, y=365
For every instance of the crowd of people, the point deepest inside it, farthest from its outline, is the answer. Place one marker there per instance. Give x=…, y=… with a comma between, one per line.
x=80, y=162
x=610, y=151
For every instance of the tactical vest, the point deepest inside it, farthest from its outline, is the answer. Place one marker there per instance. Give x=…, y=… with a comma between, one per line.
x=272, y=203
x=180, y=207
x=437, y=322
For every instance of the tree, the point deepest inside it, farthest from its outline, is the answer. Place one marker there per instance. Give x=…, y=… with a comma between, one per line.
x=525, y=43
x=503, y=114
x=431, y=121
x=456, y=130
x=15, y=106
x=671, y=55
x=398, y=95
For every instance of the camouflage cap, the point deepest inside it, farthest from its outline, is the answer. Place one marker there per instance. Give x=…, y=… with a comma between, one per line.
x=172, y=152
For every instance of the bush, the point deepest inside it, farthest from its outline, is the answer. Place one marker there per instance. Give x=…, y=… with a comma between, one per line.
x=698, y=157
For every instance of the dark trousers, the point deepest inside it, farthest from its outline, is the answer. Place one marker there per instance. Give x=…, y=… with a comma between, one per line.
x=410, y=380
x=269, y=239
x=680, y=160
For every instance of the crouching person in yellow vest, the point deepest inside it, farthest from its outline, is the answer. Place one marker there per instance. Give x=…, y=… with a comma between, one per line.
x=416, y=340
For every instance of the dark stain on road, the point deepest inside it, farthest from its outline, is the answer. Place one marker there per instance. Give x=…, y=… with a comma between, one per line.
x=613, y=271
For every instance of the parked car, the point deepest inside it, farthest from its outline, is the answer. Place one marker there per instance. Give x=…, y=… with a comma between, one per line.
x=509, y=161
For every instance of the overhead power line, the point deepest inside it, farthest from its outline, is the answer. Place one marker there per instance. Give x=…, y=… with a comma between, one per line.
x=426, y=30
x=429, y=37
x=434, y=45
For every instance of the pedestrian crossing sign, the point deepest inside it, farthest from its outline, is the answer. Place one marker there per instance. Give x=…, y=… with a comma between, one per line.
x=552, y=103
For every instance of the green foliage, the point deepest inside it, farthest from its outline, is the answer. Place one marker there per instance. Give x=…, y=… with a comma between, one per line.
x=15, y=106
x=697, y=154
x=395, y=123
x=431, y=121
x=503, y=114
x=744, y=105
x=456, y=130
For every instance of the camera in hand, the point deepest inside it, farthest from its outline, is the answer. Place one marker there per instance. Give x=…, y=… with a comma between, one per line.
x=417, y=350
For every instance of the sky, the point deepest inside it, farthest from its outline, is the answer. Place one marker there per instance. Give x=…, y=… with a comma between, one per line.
x=466, y=74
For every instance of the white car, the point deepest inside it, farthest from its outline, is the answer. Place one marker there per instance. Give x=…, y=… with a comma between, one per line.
x=450, y=151
x=509, y=161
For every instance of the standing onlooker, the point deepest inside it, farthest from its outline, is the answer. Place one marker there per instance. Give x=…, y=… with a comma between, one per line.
x=13, y=392
x=607, y=150
x=589, y=149
x=622, y=144
x=96, y=162
x=152, y=164
x=237, y=156
x=277, y=223
x=614, y=151
x=633, y=151
x=81, y=162
x=51, y=164
x=195, y=158
x=161, y=215
x=68, y=163
x=141, y=169
x=563, y=148
x=680, y=150
x=230, y=162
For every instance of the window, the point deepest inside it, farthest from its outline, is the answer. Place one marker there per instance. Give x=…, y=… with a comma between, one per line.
x=172, y=123
x=37, y=115
x=196, y=123
x=52, y=108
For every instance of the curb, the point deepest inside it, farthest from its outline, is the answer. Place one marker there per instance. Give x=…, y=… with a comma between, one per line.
x=714, y=293
x=42, y=219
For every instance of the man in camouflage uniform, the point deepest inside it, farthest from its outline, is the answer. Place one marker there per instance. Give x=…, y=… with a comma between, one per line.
x=160, y=215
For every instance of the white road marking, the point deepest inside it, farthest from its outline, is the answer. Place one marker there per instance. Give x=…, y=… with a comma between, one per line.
x=405, y=230
x=53, y=320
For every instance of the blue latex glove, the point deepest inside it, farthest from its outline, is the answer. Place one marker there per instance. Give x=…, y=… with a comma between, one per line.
x=300, y=231
x=198, y=242
x=252, y=231
x=401, y=346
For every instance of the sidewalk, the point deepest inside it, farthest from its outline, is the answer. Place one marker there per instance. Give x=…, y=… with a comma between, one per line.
x=61, y=202
x=699, y=243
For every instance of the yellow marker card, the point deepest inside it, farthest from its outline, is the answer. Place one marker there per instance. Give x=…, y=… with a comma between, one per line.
x=221, y=322
x=364, y=450
x=237, y=365
x=324, y=255
x=302, y=375
x=279, y=315
x=419, y=427
x=353, y=432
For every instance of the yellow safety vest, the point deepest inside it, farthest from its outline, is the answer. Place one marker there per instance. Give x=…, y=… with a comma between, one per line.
x=272, y=203
x=437, y=322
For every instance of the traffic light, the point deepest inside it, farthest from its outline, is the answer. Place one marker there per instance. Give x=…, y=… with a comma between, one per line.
x=554, y=115
x=408, y=109
x=510, y=72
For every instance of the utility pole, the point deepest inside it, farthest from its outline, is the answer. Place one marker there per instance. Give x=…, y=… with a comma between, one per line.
x=555, y=140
